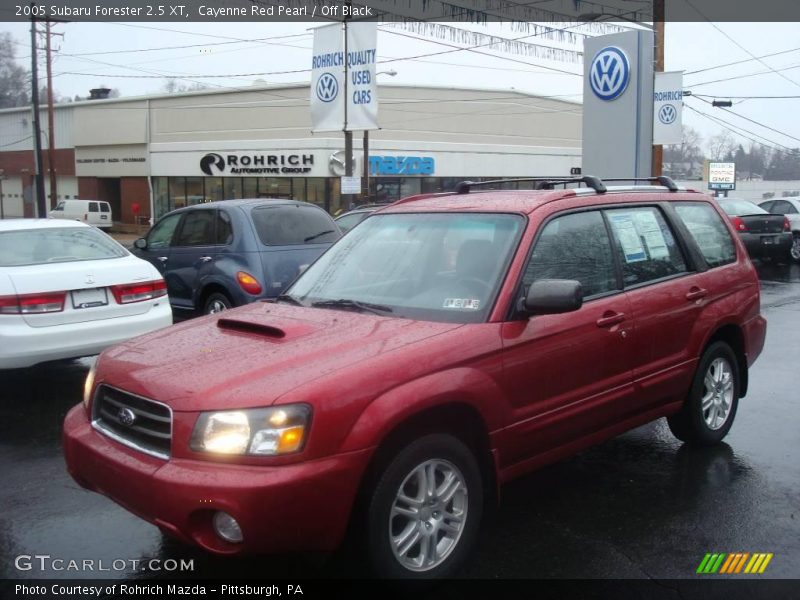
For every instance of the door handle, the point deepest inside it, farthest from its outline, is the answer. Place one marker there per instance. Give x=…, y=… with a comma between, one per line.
x=205, y=259
x=610, y=318
x=696, y=293
x=163, y=259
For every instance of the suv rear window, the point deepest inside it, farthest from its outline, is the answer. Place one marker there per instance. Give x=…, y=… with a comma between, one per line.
x=291, y=225
x=708, y=230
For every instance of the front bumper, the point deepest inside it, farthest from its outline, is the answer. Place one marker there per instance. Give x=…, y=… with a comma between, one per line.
x=298, y=507
x=772, y=245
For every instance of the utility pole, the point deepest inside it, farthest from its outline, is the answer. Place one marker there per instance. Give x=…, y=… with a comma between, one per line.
x=41, y=206
x=51, y=143
x=348, y=135
x=658, y=67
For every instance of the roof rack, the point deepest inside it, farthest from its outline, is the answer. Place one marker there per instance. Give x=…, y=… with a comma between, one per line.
x=542, y=183
x=667, y=182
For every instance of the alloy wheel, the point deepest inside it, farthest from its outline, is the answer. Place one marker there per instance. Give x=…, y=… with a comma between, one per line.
x=718, y=390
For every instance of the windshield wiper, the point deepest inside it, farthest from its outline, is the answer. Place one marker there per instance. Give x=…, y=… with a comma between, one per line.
x=347, y=303
x=316, y=235
x=290, y=299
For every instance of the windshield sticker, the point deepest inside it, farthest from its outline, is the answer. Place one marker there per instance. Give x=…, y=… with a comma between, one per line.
x=628, y=238
x=465, y=303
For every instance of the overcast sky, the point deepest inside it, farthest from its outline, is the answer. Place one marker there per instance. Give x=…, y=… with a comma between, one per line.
x=688, y=47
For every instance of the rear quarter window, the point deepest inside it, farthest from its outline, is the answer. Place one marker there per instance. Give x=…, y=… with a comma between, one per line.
x=292, y=225
x=709, y=231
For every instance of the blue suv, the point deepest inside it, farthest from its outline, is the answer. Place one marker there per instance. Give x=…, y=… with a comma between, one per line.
x=218, y=255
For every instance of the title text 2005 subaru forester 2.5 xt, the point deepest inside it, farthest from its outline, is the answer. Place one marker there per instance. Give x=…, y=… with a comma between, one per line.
x=445, y=346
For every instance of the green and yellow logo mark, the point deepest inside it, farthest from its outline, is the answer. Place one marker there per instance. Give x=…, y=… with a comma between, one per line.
x=734, y=563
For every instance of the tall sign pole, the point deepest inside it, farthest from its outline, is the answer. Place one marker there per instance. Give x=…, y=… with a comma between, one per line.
x=51, y=138
x=41, y=206
x=348, y=134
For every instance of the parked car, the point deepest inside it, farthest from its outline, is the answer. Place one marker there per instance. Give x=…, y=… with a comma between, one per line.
x=219, y=255
x=764, y=235
x=69, y=290
x=346, y=221
x=91, y=212
x=442, y=348
x=789, y=208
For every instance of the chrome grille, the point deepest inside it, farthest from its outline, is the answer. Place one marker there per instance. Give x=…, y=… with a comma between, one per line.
x=142, y=424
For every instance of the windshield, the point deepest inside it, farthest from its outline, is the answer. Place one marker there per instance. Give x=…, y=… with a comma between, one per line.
x=431, y=266
x=56, y=245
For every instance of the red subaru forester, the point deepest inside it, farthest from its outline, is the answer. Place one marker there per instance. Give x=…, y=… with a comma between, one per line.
x=446, y=345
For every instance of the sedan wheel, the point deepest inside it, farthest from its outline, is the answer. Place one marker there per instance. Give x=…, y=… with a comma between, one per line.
x=795, y=250
x=717, y=393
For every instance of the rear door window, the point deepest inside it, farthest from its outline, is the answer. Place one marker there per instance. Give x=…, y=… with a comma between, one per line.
x=104, y=207
x=574, y=246
x=645, y=245
x=709, y=231
x=224, y=228
x=93, y=207
x=291, y=225
x=198, y=229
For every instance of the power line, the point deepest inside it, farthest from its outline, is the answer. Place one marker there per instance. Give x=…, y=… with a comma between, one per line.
x=738, y=45
x=754, y=122
x=738, y=131
x=739, y=62
x=744, y=97
x=742, y=76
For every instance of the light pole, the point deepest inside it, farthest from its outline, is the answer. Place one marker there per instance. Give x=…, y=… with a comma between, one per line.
x=365, y=184
x=2, y=177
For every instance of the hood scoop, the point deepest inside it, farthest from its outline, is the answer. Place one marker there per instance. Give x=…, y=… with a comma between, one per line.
x=251, y=327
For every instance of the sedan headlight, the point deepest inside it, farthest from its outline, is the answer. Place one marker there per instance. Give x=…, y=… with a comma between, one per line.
x=256, y=432
x=88, y=385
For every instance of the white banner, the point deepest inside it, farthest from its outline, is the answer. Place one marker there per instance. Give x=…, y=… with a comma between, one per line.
x=362, y=92
x=327, y=79
x=668, y=108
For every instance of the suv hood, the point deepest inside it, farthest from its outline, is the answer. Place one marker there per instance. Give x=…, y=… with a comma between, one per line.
x=253, y=355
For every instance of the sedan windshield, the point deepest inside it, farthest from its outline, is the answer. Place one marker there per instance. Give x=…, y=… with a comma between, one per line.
x=56, y=245
x=437, y=267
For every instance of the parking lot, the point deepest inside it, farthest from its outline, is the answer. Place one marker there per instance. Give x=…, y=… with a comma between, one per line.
x=639, y=506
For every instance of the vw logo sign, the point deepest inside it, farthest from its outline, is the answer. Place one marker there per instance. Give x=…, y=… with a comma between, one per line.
x=210, y=160
x=126, y=416
x=667, y=114
x=327, y=87
x=609, y=73
x=336, y=163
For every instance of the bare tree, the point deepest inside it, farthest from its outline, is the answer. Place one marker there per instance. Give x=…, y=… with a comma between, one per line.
x=14, y=80
x=684, y=159
x=721, y=145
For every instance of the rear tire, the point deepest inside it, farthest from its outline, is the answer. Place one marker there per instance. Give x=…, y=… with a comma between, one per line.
x=709, y=411
x=424, y=513
x=216, y=302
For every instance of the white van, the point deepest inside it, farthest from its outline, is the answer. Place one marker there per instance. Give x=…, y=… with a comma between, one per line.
x=92, y=212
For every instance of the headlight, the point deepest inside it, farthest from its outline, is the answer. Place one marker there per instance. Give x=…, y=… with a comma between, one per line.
x=255, y=432
x=88, y=385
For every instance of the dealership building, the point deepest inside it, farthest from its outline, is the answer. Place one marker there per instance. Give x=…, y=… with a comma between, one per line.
x=149, y=155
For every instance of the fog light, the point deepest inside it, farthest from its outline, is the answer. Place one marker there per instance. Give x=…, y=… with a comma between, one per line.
x=226, y=527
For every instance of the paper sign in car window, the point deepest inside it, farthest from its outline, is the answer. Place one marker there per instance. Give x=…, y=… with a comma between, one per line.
x=462, y=303
x=628, y=237
x=650, y=232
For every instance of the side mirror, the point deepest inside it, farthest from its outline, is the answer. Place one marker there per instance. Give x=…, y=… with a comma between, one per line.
x=553, y=296
x=141, y=243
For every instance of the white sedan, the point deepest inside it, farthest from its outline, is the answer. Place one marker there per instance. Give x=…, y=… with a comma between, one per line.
x=69, y=290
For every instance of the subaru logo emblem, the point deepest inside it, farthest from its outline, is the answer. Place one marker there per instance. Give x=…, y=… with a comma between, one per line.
x=209, y=160
x=667, y=114
x=89, y=280
x=609, y=73
x=327, y=87
x=126, y=416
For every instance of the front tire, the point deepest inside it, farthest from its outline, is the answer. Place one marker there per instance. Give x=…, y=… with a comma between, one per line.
x=425, y=511
x=708, y=413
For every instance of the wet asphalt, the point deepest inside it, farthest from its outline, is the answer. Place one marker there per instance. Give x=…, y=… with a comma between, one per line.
x=641, y=505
